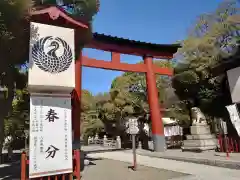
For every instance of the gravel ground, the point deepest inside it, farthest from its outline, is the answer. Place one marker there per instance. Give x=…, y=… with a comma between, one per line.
x=105, y=169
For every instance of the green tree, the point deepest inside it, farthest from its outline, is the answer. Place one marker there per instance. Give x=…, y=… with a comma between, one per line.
x=113, y=109
x=135, y=84
x=212, y=39
x=83, y=10
x=16, y=124
x=12, y=16
x=90, y=122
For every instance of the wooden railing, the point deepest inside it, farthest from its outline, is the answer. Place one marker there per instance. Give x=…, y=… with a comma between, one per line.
x=107, y=143
x=70, y=176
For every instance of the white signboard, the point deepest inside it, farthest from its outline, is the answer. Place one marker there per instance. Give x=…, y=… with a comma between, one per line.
x=132, y=126
x=234, y=84
x=50, y=136
x=234, y=116
x=224, y=127
x=51, y=57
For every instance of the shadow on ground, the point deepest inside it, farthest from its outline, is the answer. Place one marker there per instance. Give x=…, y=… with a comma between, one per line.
x=106, y=169
x=87, y=161
x=10, y=172
x=10, y=169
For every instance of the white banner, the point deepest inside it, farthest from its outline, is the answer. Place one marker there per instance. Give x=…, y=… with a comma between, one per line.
x=50, y=136
x=234, y=83
x=234, y=116
x=51, y=59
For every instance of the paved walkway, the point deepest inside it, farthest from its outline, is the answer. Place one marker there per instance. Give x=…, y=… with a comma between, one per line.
x=106, y=169
x=208, y=158
x=198, y=171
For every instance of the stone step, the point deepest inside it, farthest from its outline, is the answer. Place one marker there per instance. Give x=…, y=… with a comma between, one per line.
x=200, y=143
x=200, y=130
x=198, y=148
x=200, y=136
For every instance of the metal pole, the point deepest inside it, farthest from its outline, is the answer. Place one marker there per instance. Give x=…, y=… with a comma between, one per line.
x=226, y=145
x=134, y=152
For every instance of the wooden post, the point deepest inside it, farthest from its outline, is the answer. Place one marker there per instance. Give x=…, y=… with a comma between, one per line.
x=157, y=124
x=76, y=108
x=23, y=166
x=77, y=156
x=76, y=99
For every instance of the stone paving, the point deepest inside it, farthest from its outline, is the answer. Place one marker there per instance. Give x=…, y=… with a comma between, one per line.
x=198, y=171
x=105, y=169
x=208, y=158
x=10, y=171
x=114, y=164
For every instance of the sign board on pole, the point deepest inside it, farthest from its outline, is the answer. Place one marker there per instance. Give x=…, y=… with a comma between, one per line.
x=51, y=59
x=234, y=116
x=50, y=136
x=133, y=126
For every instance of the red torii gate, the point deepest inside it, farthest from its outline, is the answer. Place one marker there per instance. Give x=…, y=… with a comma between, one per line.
x=117, y=46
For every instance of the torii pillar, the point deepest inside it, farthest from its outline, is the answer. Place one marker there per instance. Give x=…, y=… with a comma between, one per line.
x=156, y=118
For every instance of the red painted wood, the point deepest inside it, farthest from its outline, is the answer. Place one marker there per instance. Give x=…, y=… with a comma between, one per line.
x=157, y=124
x=116, y=65
x=54, y=13
x=163, y=71
x=90, y=62
x=23, y=166
x=77, y=155
x=76, y=167
x=116, y=57
x=128, y=50
x=232, y=145
x=236, y=145
x=77, y=97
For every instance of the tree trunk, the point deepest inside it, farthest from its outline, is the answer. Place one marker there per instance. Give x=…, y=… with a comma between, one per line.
x=1, y=135
x=6, y=108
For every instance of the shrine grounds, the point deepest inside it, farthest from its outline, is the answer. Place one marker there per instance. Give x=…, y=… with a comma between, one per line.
x=115, y=165
x=99, y=169
x=107, y=169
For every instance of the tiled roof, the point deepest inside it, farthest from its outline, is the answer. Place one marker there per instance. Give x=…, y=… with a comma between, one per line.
x=172, y=48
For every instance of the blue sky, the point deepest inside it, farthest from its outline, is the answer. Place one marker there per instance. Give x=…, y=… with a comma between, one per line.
x=161, y=21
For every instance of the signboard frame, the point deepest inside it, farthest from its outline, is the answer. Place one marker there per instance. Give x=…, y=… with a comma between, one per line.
x=234, y=116
x=50, y=151
x=133, y=126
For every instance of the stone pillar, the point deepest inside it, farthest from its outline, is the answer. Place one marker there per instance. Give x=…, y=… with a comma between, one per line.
x=89, y=140
x=118, y=143
x=157, y=124
x=105, y=140
x=200, y=139
x=96, y=138
x=139, y=145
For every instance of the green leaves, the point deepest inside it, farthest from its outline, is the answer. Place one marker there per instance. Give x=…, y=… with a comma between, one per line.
x=212, y=39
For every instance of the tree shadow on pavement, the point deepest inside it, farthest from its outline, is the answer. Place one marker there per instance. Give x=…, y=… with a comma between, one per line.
x=84, y=159
x=10, y=172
